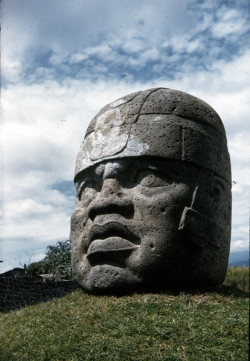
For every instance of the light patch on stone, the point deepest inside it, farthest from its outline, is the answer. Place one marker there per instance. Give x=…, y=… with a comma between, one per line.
x=118, y=102
x=116, y=144
x=108, y=144
x=135, y=147
x=109, y=118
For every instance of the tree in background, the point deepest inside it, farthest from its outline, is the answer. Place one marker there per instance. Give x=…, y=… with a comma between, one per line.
x=58, y=258
x=57, y=261
x=36, y=268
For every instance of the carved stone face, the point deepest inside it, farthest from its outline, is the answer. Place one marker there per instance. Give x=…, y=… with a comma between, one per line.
x=153, y=182
x=125, y=224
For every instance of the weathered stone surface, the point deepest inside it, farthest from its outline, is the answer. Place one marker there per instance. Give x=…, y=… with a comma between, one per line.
x=153, y=183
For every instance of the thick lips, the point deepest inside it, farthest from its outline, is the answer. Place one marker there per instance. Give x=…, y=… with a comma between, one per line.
x=111, y=237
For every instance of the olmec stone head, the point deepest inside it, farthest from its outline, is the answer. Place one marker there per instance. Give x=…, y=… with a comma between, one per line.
x=153, y=185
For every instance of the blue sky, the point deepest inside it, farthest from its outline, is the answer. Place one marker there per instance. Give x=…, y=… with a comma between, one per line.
x=62, y=60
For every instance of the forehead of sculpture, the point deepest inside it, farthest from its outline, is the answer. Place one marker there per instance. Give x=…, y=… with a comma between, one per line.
x=129, y=108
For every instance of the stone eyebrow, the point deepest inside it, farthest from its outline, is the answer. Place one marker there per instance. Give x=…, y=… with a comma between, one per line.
x=89, y=173
x=85, y=177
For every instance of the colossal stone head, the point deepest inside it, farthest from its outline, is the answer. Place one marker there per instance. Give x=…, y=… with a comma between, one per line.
x=153, y=183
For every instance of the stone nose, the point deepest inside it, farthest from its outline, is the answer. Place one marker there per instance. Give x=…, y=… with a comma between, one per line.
x=111, y=201
x=110, y=188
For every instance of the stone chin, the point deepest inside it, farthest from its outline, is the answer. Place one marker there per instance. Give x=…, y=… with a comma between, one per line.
x=108, y=279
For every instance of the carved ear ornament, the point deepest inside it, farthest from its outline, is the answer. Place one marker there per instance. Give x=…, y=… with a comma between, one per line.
x=201, y=228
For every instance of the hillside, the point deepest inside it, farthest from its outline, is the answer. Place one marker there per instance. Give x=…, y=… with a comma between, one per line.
x=204, y=325
x=239, y=259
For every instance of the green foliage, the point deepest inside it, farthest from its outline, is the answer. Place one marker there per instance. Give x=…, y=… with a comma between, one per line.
x=59, y=258
x=148, y=327
x=37, y=268
x=57, y=261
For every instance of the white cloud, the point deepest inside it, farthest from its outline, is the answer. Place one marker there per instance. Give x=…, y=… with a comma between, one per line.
x=184, y=43
x=134, y=45
x=230, y=22
x=240, y=154
x=74, y=25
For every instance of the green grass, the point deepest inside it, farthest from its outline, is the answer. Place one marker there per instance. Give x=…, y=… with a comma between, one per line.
x=238, y=277
x=210, y=325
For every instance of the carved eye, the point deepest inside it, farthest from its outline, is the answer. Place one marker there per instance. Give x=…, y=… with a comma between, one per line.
x=88, y=189
x=151, y=178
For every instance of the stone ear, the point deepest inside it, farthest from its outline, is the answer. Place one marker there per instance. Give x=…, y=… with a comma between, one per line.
x=217, y=190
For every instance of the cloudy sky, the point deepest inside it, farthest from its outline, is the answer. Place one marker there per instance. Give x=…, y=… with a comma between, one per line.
x=62, y=60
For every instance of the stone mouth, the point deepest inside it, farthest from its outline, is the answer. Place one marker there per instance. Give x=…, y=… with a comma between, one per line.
x=110, y=244
x=111, y=237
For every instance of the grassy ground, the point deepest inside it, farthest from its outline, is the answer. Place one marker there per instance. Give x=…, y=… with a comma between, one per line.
x=210, y=325
x=238, y=277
